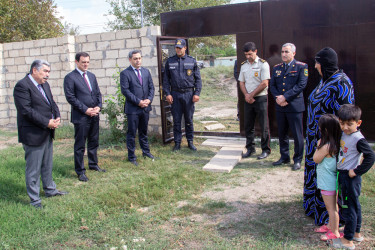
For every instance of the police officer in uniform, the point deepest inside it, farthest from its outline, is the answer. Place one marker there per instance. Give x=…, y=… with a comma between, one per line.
x=288, y=81
x=182, y=85
x=254, y=78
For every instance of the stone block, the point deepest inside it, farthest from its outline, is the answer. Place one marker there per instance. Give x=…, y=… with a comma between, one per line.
x=111, y=90
x=95, y=55
x=35, y=52
x=63, y=40
x=70, y=48
x=21, y=75
x=96, y=64
x=143, y=31
x=52, y=58
x=135, y=33
x=8, y=46
x=11, y=69
x=8, y=61
x=10, y=77
x=103, y=45
x=56, y=91
x=60, y=99
x=55, y=74
x=46, y=51
x=23, y=68
x=108, y=36
x=40, y=43
x=133, y=43
x=123, y=62
x=81, y=39
x=111, y=54
x=155, y=31
x=93, y=37
x=146, y=51
x=109, y=63
x=57, y=66
x=69, y=66
x=71, y=39
x=24, y=52
x=87, y=47
x=19, y=61
x=59, y=49
x=99, y=72
x=17, y=45
x=110, y=72
x=145, y=41
x=123, y=34
x=149, y=62
x=124, y=53
x=13, y=53
x=118, y=44
x=28, y=44
x=104, y=81
x=51, y=42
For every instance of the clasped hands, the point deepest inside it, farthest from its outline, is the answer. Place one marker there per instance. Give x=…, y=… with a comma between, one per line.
x=144, y=103
x=280, y=99
x=92, y=111
x=54, y=123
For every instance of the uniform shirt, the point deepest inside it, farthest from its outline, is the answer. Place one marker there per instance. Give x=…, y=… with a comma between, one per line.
x=182, y=73
x=253, y=74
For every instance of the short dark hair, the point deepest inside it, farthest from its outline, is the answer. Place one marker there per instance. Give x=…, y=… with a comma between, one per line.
x=249, y=46
x=38, y=65
x=133, y=52
x=79, y=54
x=349, y=112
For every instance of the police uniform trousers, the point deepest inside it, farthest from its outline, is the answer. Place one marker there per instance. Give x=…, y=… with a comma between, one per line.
x=183, y=105
x=292, y=120
x=39, y=164
x=137, y=121
x=259, y=109
x=86, y=130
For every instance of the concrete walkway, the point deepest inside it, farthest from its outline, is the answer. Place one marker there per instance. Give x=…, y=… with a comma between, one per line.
x=228, y=156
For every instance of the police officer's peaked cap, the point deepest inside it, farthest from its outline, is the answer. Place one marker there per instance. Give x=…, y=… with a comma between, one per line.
x=180, y=43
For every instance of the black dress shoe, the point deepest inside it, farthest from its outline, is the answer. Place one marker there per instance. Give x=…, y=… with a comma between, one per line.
x=177, y=147
x=263, y=155
x=135, y=163
x=58, y=193
x=248, y=153
x=97, y=168
x=149, y=155
x=296, y=166
x=83, y=177
x=191, y=146
x=280, y=162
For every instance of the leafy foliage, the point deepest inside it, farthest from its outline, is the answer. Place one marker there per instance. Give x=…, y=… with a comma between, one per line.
x=114, y=109
x=23, y=20
x=217, y=46
x=128, y=12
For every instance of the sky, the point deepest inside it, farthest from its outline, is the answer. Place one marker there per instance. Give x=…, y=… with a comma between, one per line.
x=89, y=14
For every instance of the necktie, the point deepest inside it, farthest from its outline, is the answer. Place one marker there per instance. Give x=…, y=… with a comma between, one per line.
x=286, y=66
x=42, y=92
x=139, y=76
x=87, y=83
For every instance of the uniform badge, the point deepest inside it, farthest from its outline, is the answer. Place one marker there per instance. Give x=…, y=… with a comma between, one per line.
x=306, y=72
x=189, y=72
x=256, y=74
x=278, y=72
x=178, y=42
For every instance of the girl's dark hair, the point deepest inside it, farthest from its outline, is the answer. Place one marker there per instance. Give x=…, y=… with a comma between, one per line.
x=330, y=133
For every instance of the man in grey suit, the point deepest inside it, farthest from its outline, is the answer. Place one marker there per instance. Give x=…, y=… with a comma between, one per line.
x=37, y=118
x=83, y=94
x=138, y=88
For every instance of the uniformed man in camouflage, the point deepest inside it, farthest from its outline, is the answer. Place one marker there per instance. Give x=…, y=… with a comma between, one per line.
x=288, y=81
x=254, y=78
x=182, y=86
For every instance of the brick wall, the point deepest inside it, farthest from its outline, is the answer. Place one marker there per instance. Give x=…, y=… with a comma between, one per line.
x=107, y=51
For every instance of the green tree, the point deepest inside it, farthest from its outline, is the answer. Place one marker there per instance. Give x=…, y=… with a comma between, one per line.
x=128, y=12
x=23, y=20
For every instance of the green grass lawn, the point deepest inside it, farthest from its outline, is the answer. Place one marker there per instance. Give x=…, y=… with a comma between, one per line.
x=147, y=207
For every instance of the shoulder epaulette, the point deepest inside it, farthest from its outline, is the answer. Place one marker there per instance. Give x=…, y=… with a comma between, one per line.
x=277, y=65
x=243, y=62
x=262, y=60
x=301, y=63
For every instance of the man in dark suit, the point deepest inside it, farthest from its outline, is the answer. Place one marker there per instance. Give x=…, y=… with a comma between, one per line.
x=287, y=83
x=37, y=118
x=138, y=88
x=83, y=93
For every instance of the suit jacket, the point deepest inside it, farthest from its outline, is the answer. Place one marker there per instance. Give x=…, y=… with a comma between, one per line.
x=290, y=83
x=34, y=112
x=79, y=95
x=134, y=92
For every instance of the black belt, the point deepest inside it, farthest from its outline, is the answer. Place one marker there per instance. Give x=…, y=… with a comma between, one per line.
x=183, y=90
x=343, y=171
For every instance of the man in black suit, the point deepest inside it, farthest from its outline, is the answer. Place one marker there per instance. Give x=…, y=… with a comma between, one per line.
x=138, y=88
x=83, y=93
x=287, y=83
x=37, y=118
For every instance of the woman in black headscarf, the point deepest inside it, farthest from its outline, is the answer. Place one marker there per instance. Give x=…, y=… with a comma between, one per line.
x=335, y=89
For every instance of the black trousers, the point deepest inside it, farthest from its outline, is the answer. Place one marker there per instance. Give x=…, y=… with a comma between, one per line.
x=352, y=215
x=140, y=122
x=86, y=130
x=292, y=121
x=259, y=109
